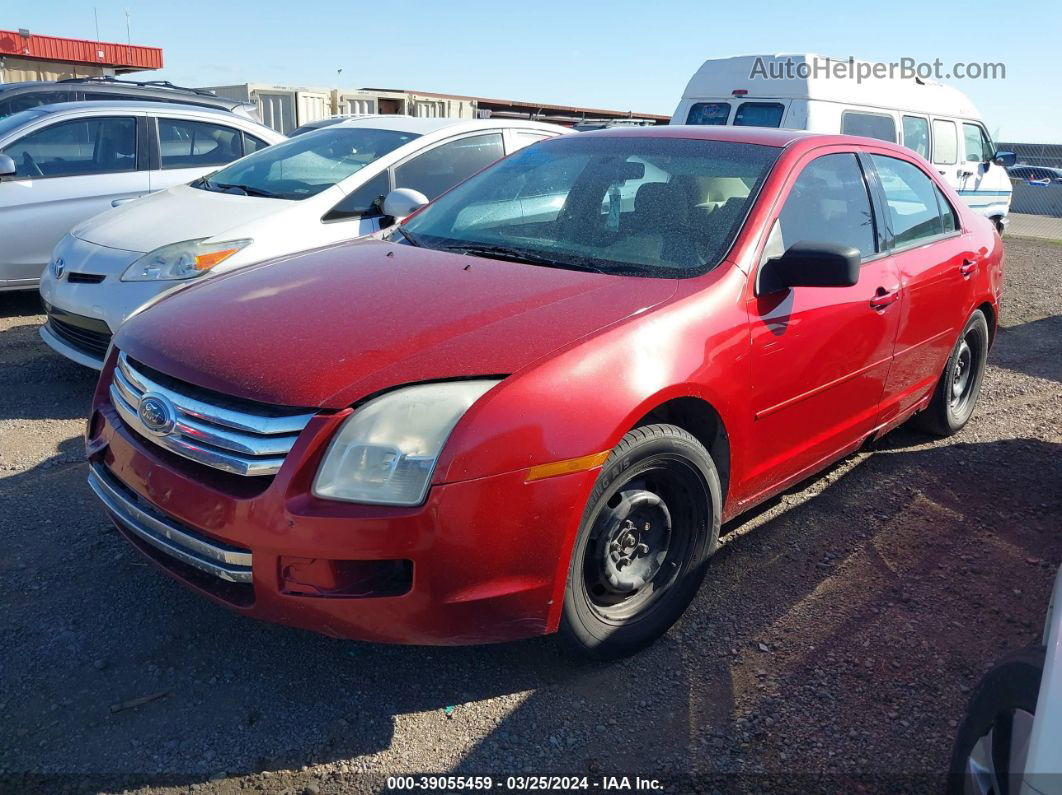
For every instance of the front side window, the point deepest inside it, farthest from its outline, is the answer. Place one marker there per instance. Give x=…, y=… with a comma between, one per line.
x=945, y=142
x=304, y=166
x=916, y=134
x=362, y=202
x=439, y=169
x=76, y=148
x=914, y=210
x=978, y=149
x=759, y=114
x=193, y=144
x=829, y=203
x=869, y=125
x=711, y=113
x=647, y=206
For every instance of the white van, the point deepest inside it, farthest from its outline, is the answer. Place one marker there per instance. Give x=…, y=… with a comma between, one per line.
x=935, y=120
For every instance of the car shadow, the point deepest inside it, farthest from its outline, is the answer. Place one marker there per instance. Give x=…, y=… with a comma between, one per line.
x=20, y=303
x=768, y=660
x=1031, y=348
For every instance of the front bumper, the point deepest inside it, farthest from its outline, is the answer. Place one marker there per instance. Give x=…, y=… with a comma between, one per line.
x=489, y=557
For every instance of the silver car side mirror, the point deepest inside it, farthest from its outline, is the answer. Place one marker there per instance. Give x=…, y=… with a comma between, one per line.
x=7, y=166
x=402, y=202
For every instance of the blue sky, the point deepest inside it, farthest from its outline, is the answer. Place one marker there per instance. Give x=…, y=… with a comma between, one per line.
x=621, y=54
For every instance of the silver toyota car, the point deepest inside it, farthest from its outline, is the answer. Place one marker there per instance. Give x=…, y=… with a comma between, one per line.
x=61, y=164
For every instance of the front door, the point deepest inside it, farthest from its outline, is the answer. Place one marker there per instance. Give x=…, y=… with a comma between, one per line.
x=66, y=173
x=820, y=355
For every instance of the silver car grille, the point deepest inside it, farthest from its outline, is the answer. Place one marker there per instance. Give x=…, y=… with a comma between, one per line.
x=231, y=435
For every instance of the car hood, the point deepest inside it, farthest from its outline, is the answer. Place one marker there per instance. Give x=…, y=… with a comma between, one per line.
x=172, y=215
x=328, y=327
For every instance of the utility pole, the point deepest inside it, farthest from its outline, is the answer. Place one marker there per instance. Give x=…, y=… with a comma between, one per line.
x=128, y=37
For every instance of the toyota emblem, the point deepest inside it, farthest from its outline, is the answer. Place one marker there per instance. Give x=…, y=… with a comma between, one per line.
x=58, y=268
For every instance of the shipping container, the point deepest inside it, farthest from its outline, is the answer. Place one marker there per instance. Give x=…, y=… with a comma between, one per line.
x=311, y=105
x=354, y=103
x=281, y=107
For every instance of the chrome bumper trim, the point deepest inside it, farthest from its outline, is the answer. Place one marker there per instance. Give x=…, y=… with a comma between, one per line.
x=226, y=563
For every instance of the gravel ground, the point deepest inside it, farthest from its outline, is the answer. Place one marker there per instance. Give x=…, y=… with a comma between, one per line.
x=833, y=645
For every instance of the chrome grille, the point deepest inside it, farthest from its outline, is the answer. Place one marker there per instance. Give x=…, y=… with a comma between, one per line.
x=241, y=438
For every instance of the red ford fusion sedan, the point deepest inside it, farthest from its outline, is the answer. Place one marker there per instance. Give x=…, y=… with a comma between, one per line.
x=530, y=409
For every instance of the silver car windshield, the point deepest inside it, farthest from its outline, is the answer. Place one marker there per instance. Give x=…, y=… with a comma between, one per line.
x=652, y=206
x=302, y=167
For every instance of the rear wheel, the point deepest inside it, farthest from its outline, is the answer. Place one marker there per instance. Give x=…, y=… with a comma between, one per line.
x=959, y=386
x=649, y=527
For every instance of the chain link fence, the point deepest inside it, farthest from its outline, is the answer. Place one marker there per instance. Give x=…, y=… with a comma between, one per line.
x=1036, y=179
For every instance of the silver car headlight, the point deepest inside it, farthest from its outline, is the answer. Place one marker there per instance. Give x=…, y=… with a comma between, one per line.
x=184, y=260
x=386, y=451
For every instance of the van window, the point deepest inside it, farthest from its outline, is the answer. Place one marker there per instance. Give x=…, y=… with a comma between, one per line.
x=978, y=149
x=915, y=214
x=829, y=203
x=869, y=125
x=945, y=143
x=759, y=114
x=916, y=134
x=708, y=113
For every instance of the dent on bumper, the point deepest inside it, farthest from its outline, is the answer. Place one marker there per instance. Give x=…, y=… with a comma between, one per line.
x=489, y=556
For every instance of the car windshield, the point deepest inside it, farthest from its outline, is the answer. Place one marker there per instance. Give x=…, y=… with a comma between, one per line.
x=16, y=120
x=302, y=167
x=642, y=206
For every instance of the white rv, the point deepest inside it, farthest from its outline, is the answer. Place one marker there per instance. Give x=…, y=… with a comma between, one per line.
x=935, y=120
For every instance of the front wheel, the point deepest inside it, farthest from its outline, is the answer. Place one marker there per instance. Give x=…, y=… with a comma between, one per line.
x=649, y=527
x=959, y=386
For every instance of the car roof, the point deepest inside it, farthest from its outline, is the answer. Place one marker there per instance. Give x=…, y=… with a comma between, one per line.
x=764, y=136
x=132, y=104
x=423, y=126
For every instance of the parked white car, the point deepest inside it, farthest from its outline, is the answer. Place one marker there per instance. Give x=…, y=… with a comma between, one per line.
x=320, y=188
x=1011, y=738
x=61, y=164
x=801, y=92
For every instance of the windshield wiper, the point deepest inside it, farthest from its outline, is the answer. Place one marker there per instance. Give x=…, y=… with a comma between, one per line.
x=514, y=255
x=248, y=190
x=408, y=236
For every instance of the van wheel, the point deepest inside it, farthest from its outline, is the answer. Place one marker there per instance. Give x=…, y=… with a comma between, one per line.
x=959, y=386
x=650, y=525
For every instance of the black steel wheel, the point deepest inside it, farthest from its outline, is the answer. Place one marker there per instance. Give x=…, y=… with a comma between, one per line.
x=955, y=397
x=650, y=525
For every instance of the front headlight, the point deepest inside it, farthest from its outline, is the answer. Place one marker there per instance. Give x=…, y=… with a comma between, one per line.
x=386, y=451
x=184, y=260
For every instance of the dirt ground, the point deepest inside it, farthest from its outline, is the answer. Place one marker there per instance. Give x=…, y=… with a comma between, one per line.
x=832, y=647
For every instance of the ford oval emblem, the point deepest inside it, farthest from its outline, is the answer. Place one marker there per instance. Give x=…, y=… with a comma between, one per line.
x=157, y=414
x=58, y=268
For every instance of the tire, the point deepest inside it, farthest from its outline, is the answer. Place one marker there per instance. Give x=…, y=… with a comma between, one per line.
x=994, y=722
x=955, y=396
x=628, y=583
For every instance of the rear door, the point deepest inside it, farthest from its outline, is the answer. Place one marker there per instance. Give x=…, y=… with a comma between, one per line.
x=820, y=355
x=67, y=171
x=935, y=263
x=188, y=148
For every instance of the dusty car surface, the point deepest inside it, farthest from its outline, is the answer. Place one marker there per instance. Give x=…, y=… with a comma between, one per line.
x=531, y=409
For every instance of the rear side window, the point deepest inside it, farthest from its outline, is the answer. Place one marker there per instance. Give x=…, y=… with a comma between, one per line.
x=913, y=201
x=439, y=169
x=76, y=148
x=759, y=114
x=916, y=134
x=829, y=203
x=252, y=144
x=945, y=142
x=190, y=144
x=949, y=218
x=522, y=138
x=708, y=113
x=869, y=125
x=978, y=150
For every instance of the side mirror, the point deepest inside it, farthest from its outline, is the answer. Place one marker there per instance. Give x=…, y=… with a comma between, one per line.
x=811, y=264
x=1005, y=159
x=402, y=202
x=7, y=166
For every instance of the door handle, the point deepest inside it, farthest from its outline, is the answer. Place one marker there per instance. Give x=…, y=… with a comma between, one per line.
x=883, y=298
x=967, y=268
x=119, y=202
